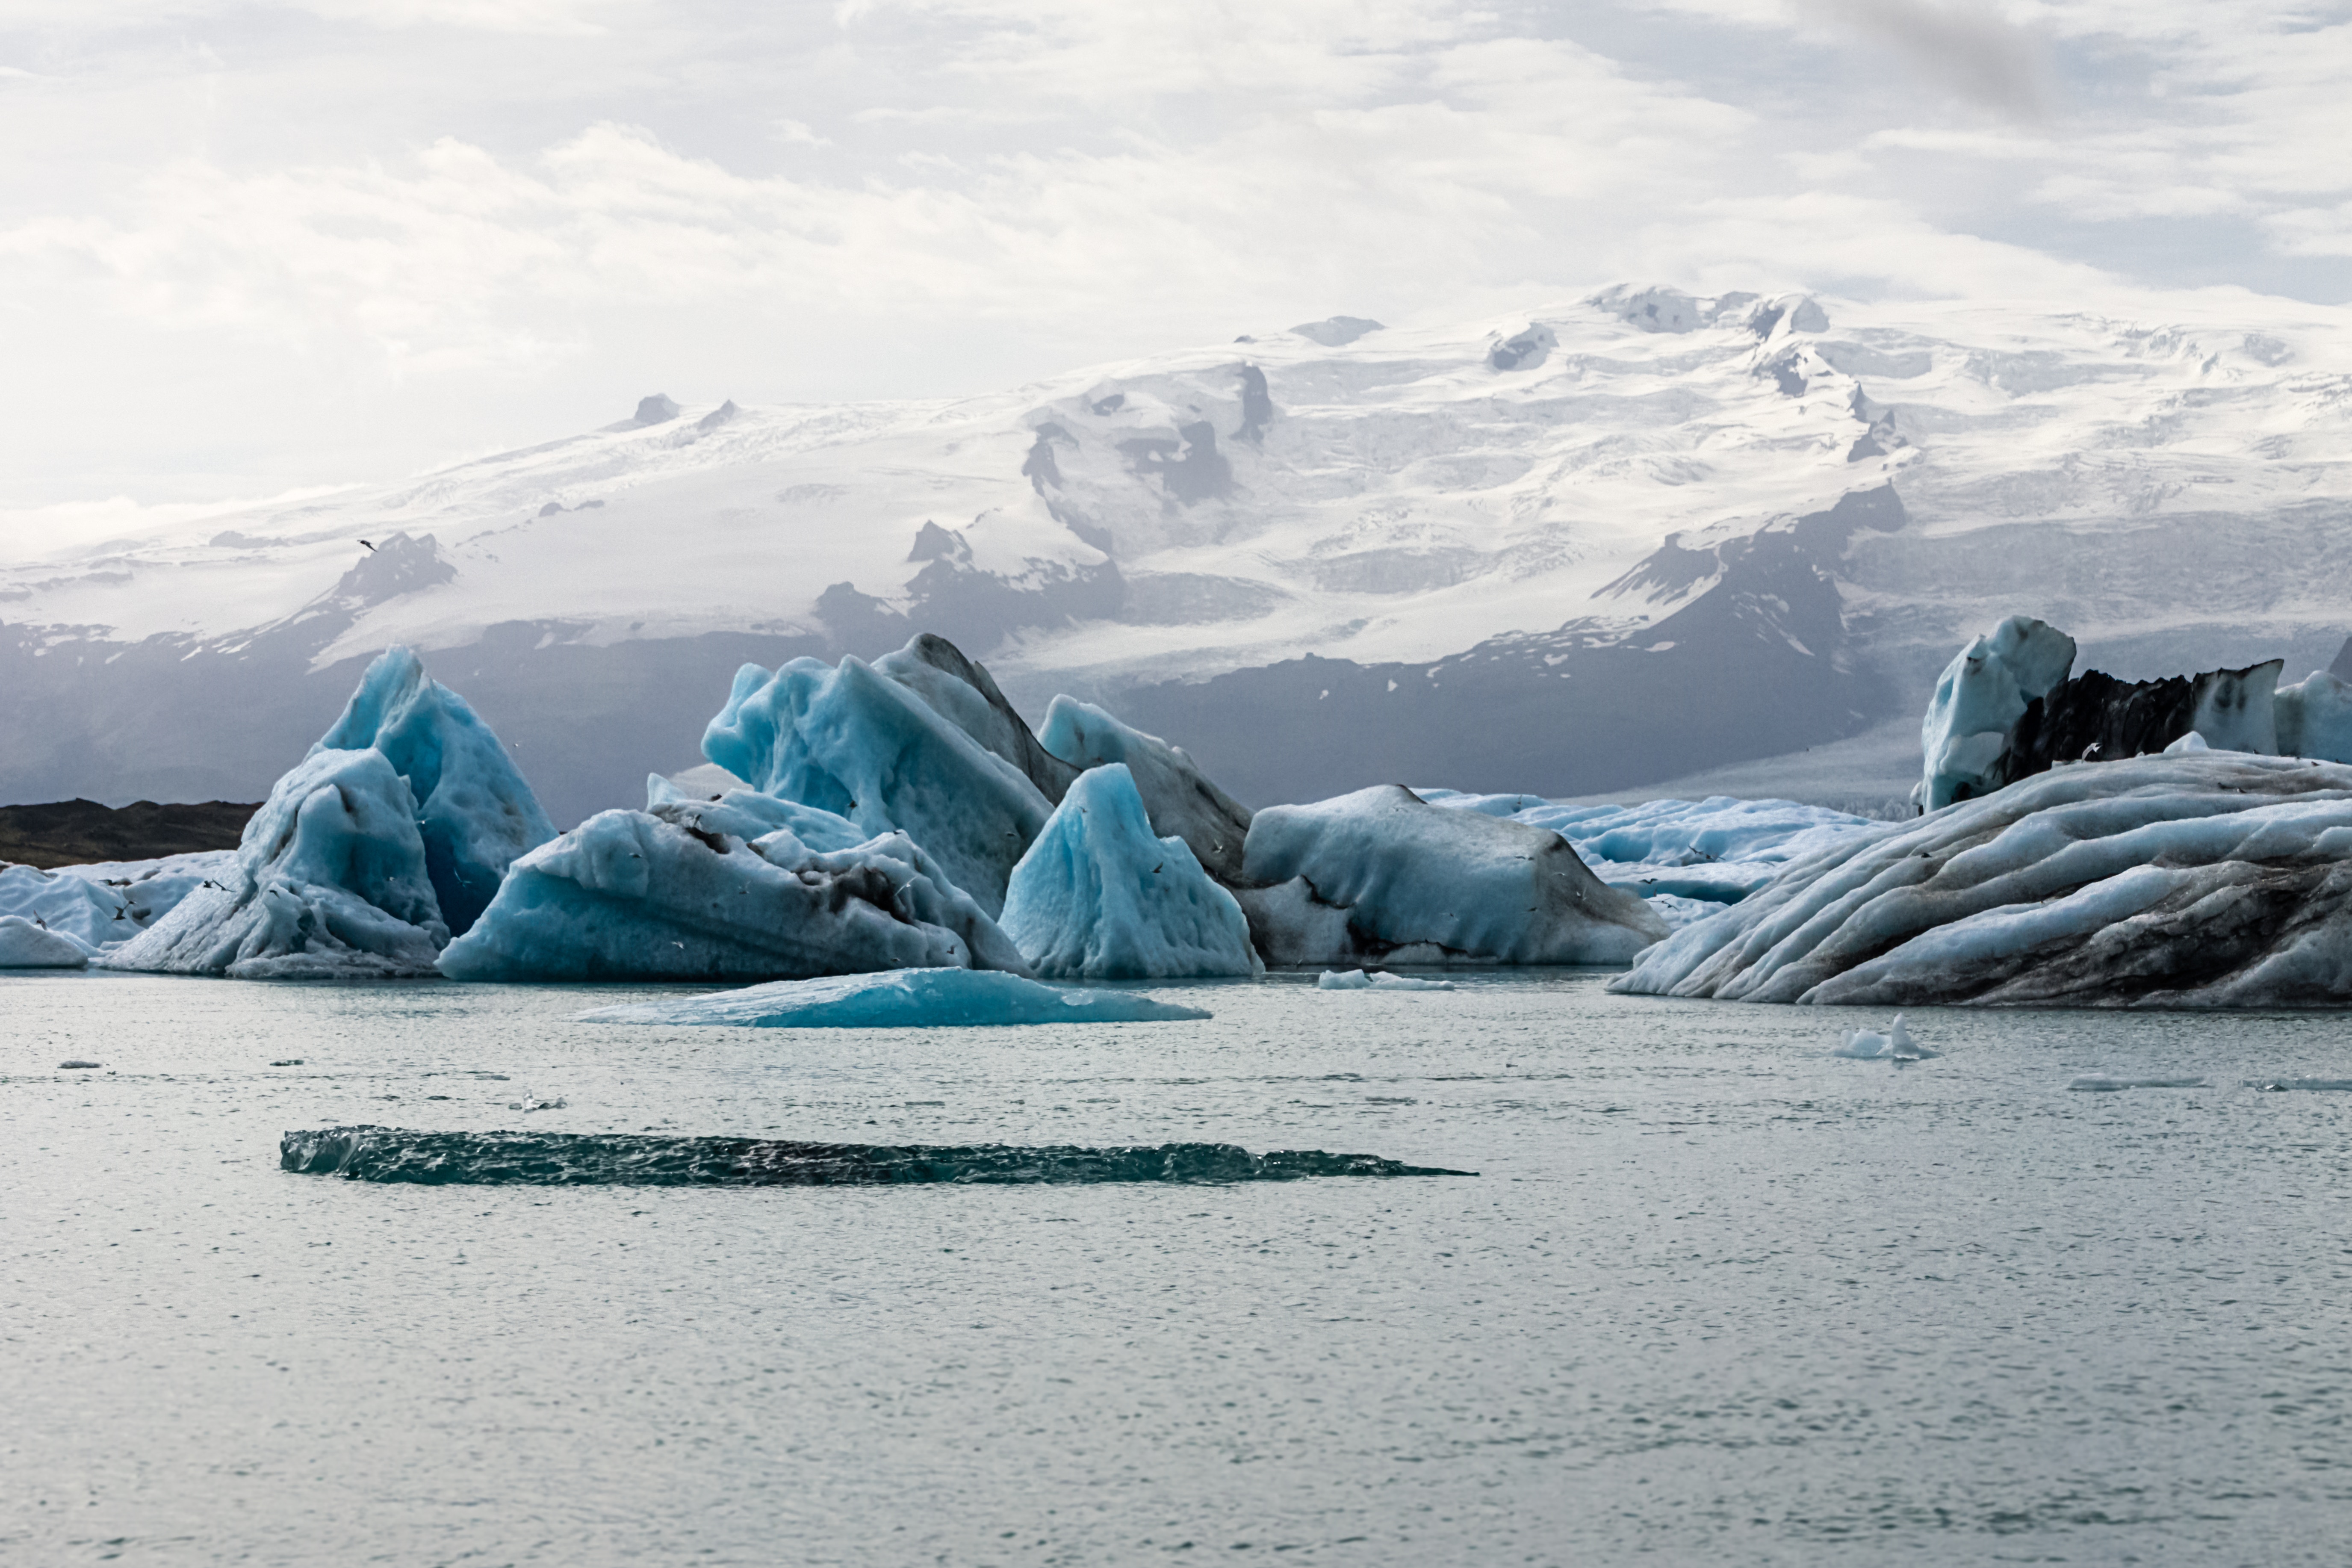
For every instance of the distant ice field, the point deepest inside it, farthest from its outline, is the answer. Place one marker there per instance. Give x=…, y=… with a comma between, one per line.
x=1715, y=1296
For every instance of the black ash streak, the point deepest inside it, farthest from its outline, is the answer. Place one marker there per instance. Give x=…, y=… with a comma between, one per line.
x=611, y=1159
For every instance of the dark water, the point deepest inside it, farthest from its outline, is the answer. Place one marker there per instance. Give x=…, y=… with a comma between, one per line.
x=1714, y=1297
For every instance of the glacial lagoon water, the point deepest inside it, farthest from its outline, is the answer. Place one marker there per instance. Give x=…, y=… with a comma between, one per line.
x=1714, y=1297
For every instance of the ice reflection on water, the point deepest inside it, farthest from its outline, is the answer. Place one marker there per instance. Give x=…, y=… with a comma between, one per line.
x=1715, y=1296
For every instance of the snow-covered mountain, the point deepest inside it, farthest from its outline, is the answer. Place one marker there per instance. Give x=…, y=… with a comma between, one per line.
x=1600, y=543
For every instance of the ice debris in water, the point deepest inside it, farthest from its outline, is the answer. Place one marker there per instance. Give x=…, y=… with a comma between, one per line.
x=26, y=945
x=1894, y=1045
x=899, y=999
x=2101, y=1083
x=1358, y=980
x=1383, y=874
x=529, y=1103
x=744, y=887
x=76, y=1062
x=2284, y=1085
x=556, y=1159
x=1099, y=897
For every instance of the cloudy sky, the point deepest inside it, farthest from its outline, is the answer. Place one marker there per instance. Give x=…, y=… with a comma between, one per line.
x=251, y=247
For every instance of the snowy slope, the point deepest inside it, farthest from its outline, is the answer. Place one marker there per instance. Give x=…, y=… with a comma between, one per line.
x=1636, y=494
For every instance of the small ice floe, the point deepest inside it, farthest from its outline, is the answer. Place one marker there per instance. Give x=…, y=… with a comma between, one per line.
x=288, y=1062
x=78, y=1062
x=2267, y=1085
x=1894, y=1045
x=529, y=1103
x=2100, y=1083
x=1359, y=980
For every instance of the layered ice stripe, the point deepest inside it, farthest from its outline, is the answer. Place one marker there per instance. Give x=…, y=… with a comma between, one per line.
x=1099, y=897
x=2200, y=879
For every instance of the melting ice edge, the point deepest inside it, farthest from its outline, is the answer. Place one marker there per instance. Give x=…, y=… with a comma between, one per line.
x=621, y=1159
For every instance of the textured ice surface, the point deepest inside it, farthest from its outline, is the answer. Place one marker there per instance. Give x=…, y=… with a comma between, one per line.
x=2212, y=880
x=1358, y=980
x=147, y=890
x=962, y=691
x=1380, y=875
x=1099, y=897
x=81, y=908
x=1978, y=703
x=26, y=945
x=474, y=812
x=854, y=742
x=1180, y=798
x=2313, y=718
x=614, y=1159
x=902, y=999
x=329, y=882
x=730, y=889
x=1719, y=849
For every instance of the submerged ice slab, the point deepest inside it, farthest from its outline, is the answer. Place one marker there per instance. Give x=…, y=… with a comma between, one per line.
x=609, y=1159
x=1098, y=897
x=900, y=999
x=26, y=945
x=679, y=892
x=1380, y=875
x=2208, y=880
x=1179, y=797
x=474, y=812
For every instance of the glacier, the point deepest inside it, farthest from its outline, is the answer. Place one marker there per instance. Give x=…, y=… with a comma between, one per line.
x=900, y=999
x=2212, y=879
x=1382, y=876
x=329, y=882
x=474, y=812
x=1179, y=797
x=849, y=740
x=747, y=887
x=26, y=944
x=1100, y=896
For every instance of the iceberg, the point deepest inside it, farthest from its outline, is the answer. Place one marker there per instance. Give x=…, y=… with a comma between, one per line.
x=747, y=887
x=2205, y=879
x=2314, y=718
x=1979, y=699
x=474, y=812
x=329, y=882
x=58, y=901
x=1894, y=1045
x=900, y=999
x=1357, y=979
x=1098, y=897
x=1719, y=849
x=25, y=944
x=1382, y=876
x=147, y=890
x=850, y=741
x=1178, y=798
x=962, y=691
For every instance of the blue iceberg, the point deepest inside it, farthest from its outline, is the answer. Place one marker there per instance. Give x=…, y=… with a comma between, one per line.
x=26, y=944
x=66, y=905
x=1099, y=897
x=902, y=999
x=1178, y=798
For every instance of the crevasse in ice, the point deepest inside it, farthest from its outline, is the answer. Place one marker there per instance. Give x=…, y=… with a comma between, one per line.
x=1380, y=875
x=2204, y=879
x=1178, y=798
x=901, y=999
x=329, y=881
x=857, y=744
x=1099, y=897
x=474, y=812
x=744, y=887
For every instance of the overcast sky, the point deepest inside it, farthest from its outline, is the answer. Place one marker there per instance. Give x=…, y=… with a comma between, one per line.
x=248, y=246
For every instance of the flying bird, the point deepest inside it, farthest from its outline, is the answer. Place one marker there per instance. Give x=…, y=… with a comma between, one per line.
x=370, y=547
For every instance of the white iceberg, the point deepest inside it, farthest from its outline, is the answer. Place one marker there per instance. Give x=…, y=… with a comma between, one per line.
x=2208, y=880
x=1981, y=695
x=25, y=944
x=93, y=915
x=147, y=890
x=743, y=887
x=329, y=882
x=1894, y=1045
x=851, y=742
x=1177, y=795
x=902, y=999
x=1358, y=980
x=2314, y=718
x=474, y=812
x=1379, y=874
x=1099, y=897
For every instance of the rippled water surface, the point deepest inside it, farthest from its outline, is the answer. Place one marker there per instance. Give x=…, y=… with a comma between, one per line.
x=1715, y=1297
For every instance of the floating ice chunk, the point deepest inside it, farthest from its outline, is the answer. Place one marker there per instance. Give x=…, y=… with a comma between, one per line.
x=1378, y=874
x=147, y=890
x=901, y=999
x=672, y=894
x=529, y=1103
x=2314, y=718
x=1099, y=897
x=329, y=882
x=1358, y=980
x=1982, y=696
x=1179, y=797
x=860, y=745
x=1894, y=1045
x=2191, y=741
x=2209, y=879
x=473, y=811
x=24, y=945
x=59, y=902
x=2287, y=1085
x=2100, y=1083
